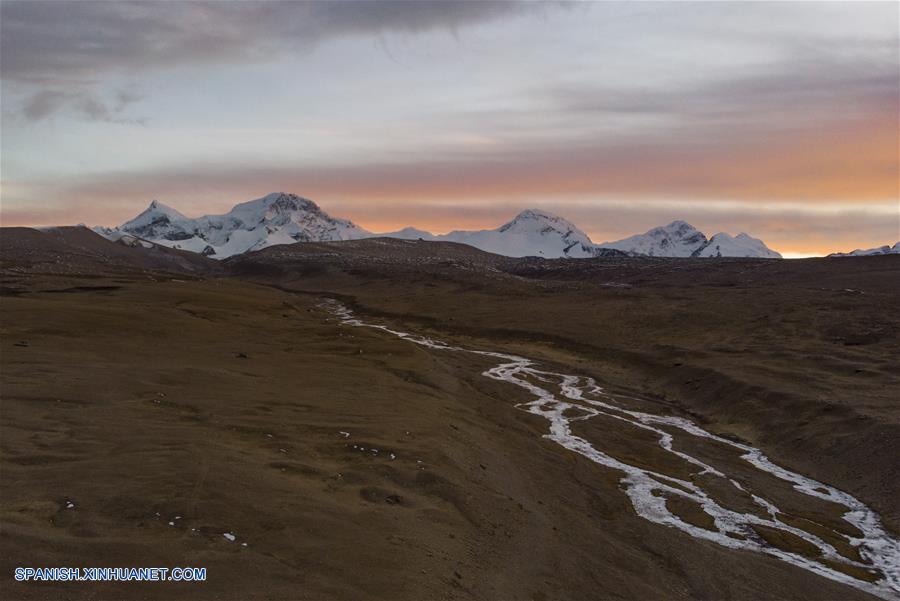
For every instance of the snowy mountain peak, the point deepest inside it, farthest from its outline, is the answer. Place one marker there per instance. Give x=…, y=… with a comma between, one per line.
x=283, y=202
x=529, y=218
x=158, y=220
x=535, y=232
x=157, y=208
x=530, y=233
x=279, y=208
x=411, y=233
x=678, y=229
x=277, y=218
x=677, y=239
x=681, y=239
x=742, y=245
x=535, y=214
x=679, y=225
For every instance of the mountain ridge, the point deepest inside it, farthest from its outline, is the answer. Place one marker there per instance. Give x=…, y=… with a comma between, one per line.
x=531, y=232
x=276, y=218
x=867, y=252
x=283, y=218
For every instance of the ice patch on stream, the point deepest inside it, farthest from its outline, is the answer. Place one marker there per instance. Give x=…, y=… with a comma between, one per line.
x=647, y=489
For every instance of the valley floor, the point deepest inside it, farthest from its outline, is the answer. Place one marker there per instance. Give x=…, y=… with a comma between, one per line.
x=146, y=416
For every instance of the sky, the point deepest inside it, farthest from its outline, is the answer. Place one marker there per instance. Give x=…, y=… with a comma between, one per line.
x=779, y=119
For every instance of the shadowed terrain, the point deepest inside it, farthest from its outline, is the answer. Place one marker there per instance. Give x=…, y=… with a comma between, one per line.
x=170, y=399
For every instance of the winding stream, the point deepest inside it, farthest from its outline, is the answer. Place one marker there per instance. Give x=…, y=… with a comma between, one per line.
x=862, y=554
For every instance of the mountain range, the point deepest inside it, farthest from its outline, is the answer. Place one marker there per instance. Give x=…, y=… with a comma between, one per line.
x=281, y=218
x=867, y=252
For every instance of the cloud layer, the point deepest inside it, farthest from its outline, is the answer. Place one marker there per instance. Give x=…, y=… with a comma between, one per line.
x=57, y=46
x=60, y=42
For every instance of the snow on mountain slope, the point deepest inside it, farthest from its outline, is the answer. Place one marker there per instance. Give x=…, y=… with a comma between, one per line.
x=120, y=237
x=410, y=233
x=160, y=221
x=866, y=252
x=681, y=239
x=742, y=245
x=277, y=218
x=281, y=218
x=678, y=239
x=530, y=233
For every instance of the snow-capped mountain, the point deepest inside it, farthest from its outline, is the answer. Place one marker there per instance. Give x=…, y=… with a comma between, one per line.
x=281, y=218
x=742, y=245
x=411, y=233
x=277, y=218
x=678, y=239
x=866, y=252
x=530, y=233
x=681, y=239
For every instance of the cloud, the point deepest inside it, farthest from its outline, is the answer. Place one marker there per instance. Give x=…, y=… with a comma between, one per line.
x=63, y=49
x=799, y=87
x=43, y=104
x=58, y=42
x=804, y=90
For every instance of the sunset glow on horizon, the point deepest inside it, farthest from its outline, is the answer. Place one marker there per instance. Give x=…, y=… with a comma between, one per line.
x=775, y=119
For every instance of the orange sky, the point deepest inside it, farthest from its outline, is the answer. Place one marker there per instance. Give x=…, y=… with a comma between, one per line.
x=781, y=188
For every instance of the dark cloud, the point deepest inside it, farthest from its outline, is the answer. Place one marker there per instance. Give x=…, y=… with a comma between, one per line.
x=62, y=49
x=43, y=104
x=57, y=42
x=82, y=102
